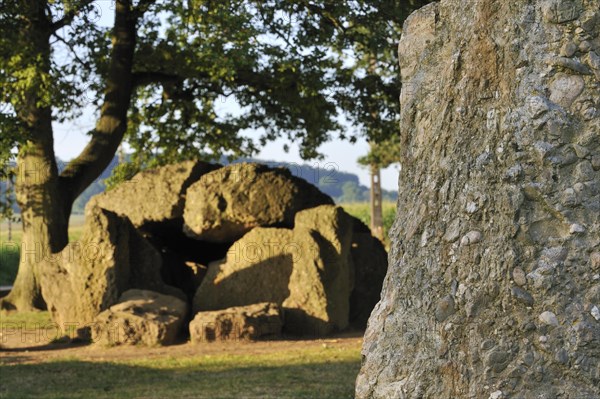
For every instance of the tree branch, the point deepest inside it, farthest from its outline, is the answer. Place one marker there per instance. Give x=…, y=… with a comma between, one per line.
x=70, y=47
x=147, y=77
x=112, y=124
x=70, y=15
x=142, y=7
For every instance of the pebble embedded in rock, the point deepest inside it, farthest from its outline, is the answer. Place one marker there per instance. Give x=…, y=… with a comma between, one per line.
x=585, y=46
x=595, y=313
x=562, y=356
x=487, y=345
x=596, y=162
x=594, y=60
x=537, y=106
x=576, y=229
x=445, y=308
x=595, y=260
x=472, y=237
x=452, y=231
x=471, y=208
x=559, y=12
x=497, y=360
x=549, y=319
x=568, y=50
x=519, y=277
x=522, y=296
x=496, y=395
x=565, y=89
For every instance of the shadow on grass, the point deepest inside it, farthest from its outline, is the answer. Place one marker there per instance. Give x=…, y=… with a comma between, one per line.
x=178, y=378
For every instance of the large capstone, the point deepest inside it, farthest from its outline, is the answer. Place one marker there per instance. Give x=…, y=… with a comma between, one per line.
x=227, y=203
x=492, y=289
x=154, y=195
x=153, y=200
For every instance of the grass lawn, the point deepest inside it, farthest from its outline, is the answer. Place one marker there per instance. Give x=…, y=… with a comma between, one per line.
x=313, y=373
x=276, y=369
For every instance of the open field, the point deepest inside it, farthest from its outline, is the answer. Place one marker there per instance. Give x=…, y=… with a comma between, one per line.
x=33, y=367
x=9, y=249
x=362, y=211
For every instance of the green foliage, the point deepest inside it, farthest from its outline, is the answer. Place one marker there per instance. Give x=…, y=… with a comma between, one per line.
x=9, y=261
x=362, y=211
x=289, y=66
x=7, y=192
x=122, y=172
x=383, y=154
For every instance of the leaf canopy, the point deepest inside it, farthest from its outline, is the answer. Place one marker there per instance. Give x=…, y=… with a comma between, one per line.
x=207, y=71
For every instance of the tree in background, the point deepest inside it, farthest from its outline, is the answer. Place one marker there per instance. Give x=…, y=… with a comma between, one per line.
x=377, y=115
x=157, y=78
x=381, y=155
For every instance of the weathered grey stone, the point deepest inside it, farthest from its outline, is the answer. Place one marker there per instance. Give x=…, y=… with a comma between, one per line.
x=549, y=319
x=252, y=322
x=519, y=276
x=154, y=195
x=595, y=312
x=537, y=106
x=444, y=308
x=522, y=296
x=308, y=270
x=227, y=203
x=568, y=49
x=595, y=260
x=472, y=237
x=560, y=11
x=487, y=59
x=140, y=317
x=569, y=64
x=565, y=89
x=89, y=275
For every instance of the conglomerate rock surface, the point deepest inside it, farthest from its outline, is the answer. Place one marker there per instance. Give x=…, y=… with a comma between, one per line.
x=493, y=287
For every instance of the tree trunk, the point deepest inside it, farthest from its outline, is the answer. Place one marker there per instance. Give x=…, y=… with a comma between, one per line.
x=45, y=216
x=45, y=197
x=376, y=210
x=43, y=209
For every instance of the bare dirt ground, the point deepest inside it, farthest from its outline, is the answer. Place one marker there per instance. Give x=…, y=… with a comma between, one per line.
x=33, y=346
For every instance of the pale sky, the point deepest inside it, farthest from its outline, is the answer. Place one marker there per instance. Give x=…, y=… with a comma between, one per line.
x=70, y=138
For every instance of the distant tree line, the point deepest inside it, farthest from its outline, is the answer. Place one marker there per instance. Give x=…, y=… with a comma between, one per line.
x=343, y=187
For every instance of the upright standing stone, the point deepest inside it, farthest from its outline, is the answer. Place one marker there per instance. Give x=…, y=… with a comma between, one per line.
x=491, y=288
x=89, y=275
